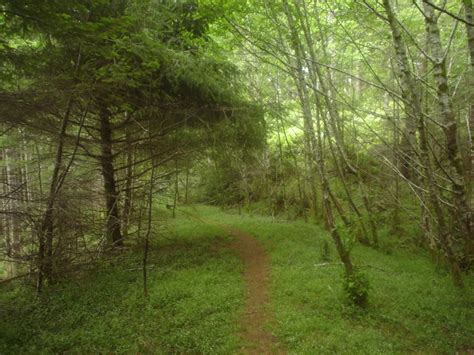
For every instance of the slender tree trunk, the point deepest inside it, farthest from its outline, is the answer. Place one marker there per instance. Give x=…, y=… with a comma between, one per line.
x=279, y=173
x=323, y=84
x=396, y=224
x=301, y=191
x=308, y=132
x=40, y=170
x=45, y=234
x=363, y=238
x=127, y=206
x=335, y=121
x=319, y=87
x=14, y=196
x=469, y=14
x=186, y=186
x=413, y=109
x=445, y=237
x=112, y=227
x=45, y=249
x=458, y=183
x=4, y=222
x=176, y=186
x=408, y=143
x=341, y=249
x=148, y=230
x=304, y=98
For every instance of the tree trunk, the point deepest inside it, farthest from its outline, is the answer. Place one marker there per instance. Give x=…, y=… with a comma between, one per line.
x=305, y=103
x=186, y=186
x=127, y=206
x=317, y=150
x=279, y=175
x=14, y=196
x=148, y=229
x=458, y=183
x=413, y=109
x=408, y=143
x=45, y=248
x=301, y=191
x=333, y=125
x=176, y=186
x=112, y=226
x=469, y=14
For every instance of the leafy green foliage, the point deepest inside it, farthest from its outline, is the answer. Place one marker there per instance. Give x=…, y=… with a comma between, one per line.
x=356, y=288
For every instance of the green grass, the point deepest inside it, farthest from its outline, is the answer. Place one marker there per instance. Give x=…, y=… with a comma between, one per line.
x=412, y=306
x=197, y=296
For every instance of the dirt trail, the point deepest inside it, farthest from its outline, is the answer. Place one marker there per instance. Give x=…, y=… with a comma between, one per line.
x=258, y=340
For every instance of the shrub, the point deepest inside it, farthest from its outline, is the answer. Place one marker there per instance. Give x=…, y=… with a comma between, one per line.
x=356, y=288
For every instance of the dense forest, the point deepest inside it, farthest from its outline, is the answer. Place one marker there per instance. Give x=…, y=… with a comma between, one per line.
x=229, y=176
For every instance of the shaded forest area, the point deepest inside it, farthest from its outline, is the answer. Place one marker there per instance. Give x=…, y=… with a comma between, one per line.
x=260, y=139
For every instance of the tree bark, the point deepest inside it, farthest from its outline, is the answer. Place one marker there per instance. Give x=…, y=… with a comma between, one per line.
x=45, y=248
x=469, y=14
x=112, y=225
x=13, y=200
x=186, y=186
x=176, y=186
x=127, y=206
x=456, y=174
x=148, y=229
x=408, y=143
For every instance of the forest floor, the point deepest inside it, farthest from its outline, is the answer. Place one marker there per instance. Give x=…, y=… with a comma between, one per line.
x=224, y=283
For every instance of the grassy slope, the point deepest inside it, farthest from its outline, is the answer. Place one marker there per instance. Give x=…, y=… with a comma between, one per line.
x=196, y=295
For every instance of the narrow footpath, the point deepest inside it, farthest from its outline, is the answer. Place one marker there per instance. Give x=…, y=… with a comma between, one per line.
x=257, y=316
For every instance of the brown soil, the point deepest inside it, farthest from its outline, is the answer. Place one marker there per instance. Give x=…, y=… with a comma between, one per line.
x=256, y=318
